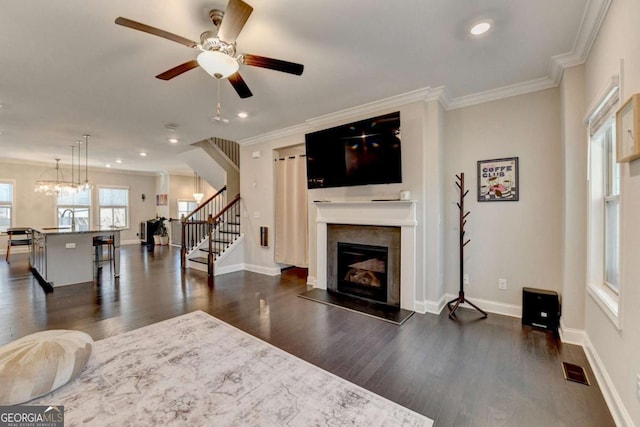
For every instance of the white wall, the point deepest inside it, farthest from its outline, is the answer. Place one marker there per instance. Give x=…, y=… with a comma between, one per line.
x=574, y=245
x=519, y=241
x=431, y=210
x=257, y=186
x=181, y=187
x=619, y=350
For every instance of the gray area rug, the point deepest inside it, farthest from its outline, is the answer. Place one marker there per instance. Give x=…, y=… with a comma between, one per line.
x=195, y=370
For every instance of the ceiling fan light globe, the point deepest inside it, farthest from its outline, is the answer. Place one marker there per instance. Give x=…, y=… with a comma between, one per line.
x=217, y=64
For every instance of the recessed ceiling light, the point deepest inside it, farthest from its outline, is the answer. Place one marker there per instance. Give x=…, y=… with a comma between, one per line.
x=107, y=166
x=118, y=161
x=243, y=115
x=173, y=140
x=143, y=154
x=480, y=28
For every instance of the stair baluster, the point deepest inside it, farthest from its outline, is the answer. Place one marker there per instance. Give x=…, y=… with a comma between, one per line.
x=221, y=225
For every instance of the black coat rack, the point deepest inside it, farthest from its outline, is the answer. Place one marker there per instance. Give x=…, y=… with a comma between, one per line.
x=463, y=221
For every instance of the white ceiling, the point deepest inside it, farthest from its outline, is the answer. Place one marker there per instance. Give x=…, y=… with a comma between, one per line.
x=67, y=69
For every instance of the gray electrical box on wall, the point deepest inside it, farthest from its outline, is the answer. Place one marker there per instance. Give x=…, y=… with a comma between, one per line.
x=264, y=237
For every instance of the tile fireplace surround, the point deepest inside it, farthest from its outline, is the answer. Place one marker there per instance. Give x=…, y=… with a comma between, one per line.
x=377, y=213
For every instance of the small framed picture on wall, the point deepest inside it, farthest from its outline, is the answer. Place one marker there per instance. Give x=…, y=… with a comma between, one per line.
x=498, y=180
x=628, y=130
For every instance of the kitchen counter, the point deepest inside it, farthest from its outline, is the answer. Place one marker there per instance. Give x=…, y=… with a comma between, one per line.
x=63, y=256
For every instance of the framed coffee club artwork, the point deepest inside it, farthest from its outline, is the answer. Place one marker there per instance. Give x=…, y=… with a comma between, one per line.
x=498, y=180
x=628, y=130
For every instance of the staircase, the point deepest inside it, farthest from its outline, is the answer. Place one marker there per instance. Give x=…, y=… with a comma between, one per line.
x=210, y=231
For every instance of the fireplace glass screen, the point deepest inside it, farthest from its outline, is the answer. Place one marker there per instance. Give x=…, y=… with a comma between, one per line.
x=362, y=271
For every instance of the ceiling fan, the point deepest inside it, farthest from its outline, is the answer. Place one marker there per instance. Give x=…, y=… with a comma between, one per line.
x=218, y=55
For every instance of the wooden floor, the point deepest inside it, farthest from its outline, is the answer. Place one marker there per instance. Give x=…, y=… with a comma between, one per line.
x=468, y=372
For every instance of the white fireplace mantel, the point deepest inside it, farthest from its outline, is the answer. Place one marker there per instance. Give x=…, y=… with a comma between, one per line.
x=397, y=213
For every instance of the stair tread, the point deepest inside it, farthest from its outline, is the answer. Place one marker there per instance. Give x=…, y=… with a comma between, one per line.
x=200, y=259
x=229, y=232
x=207, y=250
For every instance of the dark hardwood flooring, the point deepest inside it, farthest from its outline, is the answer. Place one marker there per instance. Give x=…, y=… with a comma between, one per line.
x=468, y=372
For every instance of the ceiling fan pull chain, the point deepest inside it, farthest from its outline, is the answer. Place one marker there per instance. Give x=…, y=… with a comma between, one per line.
x=218, y=108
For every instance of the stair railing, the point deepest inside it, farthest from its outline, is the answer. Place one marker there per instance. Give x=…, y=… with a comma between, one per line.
x=195, y=226
x=229, y=217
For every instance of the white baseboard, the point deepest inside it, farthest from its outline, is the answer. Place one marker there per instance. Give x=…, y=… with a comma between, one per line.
x=236, y=267
x=130, y=242
x=490, y=306
x=570, y=335
x=228, y=269
x=196, y=265
x=430, y=306
x=269, y=271
x=420, y=307
x=311, y=281
x=611, y=396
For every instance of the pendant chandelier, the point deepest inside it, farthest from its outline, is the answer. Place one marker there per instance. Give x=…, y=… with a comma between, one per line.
x=86, y=185
x=52, y=182
x=197, y=188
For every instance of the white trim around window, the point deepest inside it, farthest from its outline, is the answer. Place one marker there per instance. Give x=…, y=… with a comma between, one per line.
x=8, y=204
x=604, y=238
x=126, y=207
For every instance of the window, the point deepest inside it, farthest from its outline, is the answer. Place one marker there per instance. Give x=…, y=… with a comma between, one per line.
x=611, y=209
x=74, y=208
x=604, y=209
x=185, y=207
x=114, y=207
x=6, y=204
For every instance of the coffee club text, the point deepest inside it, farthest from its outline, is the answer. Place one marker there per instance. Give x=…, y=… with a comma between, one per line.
x=500, y=171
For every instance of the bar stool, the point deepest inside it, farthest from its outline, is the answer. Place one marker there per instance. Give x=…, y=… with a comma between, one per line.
x=17, y=236
x=100, y=242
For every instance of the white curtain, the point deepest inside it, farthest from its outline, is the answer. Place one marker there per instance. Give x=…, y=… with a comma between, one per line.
x=291, y=234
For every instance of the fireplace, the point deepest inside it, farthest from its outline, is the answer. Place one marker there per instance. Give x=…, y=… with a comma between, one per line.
x=364, y=262
x=379, y=223
x=362, y=271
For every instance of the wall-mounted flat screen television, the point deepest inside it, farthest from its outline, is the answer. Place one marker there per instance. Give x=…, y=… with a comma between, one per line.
x=359, y=153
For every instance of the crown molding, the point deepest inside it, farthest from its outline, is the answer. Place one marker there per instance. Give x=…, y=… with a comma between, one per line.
x=592, y=20
x=502, y=92
x=280, y=133
x=396, y=101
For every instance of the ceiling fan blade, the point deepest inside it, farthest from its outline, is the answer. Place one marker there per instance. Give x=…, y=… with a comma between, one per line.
x=233, y=21
x=273, y=64
x=155, y=31
x=176, y=71
x=239, y=85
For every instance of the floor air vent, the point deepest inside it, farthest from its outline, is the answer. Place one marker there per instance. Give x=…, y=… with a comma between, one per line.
x=574, y=373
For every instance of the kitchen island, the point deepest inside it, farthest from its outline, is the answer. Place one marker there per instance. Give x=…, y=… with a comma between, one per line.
x=63, y=256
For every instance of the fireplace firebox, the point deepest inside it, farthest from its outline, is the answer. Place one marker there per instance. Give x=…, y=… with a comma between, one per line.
x=362, y=271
